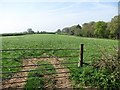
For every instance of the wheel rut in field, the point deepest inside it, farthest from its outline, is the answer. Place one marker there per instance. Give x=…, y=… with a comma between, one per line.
x=62, y=82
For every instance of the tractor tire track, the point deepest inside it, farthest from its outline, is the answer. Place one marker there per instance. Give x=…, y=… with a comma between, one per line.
x=60, y=82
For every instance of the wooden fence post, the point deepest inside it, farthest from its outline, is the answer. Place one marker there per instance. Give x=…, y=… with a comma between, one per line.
x=80, y=64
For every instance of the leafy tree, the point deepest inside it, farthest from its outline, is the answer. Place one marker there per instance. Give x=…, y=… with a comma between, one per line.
x=43, y=32
x=66, y=30
x=101, y=29
x=30, y=31
x=114, y=27
x=38, y=32
x=78, y=26
x=88, y=29
x=75, y=30
x=58, y=31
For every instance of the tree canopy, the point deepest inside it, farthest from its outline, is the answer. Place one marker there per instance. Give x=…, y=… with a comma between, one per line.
x=99, y=29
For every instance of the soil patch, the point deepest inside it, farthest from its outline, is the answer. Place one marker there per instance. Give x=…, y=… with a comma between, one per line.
x=62, y=82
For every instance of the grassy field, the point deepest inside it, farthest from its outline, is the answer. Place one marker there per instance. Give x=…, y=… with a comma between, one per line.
x=93, y=49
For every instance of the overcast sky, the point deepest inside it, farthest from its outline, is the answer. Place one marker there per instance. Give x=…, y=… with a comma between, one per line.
x=19, y=15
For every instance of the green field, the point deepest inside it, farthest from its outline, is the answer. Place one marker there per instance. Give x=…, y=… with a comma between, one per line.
x=93, y=49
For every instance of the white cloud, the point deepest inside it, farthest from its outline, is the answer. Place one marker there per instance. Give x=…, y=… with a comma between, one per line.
x=51, y=17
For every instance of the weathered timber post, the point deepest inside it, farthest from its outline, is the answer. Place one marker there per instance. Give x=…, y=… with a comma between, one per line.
x=80, y=64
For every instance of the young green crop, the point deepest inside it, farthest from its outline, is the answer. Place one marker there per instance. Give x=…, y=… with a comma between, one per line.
x=93, y=49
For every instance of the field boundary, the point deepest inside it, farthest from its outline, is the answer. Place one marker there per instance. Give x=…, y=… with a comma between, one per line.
x=20, y=78
x=60, y=68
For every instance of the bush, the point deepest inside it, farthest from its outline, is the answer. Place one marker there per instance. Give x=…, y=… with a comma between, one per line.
x=103, y=74
x=13, y=34
x=108, y=71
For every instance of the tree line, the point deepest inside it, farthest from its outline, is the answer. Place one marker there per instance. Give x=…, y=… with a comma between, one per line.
x=99, y=29
x=29, y=31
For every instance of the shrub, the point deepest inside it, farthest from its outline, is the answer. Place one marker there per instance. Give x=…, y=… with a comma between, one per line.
x=108, y=71
x=103, y=74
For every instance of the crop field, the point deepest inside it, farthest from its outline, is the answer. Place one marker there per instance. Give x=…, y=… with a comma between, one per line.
x=93, y=50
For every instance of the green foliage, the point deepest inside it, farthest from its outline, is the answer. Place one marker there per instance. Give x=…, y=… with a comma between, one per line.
x=109, y=68
x=100, y=29
x=114, y=27
x=58, y=31
x=39, y=81
x=66, y=30
x=30, y=31
x=73, y=30
x=103, y=73
x=13, y=34
x=88, y=29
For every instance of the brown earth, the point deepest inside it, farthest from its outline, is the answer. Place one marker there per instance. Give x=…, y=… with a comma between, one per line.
x=62, y=82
